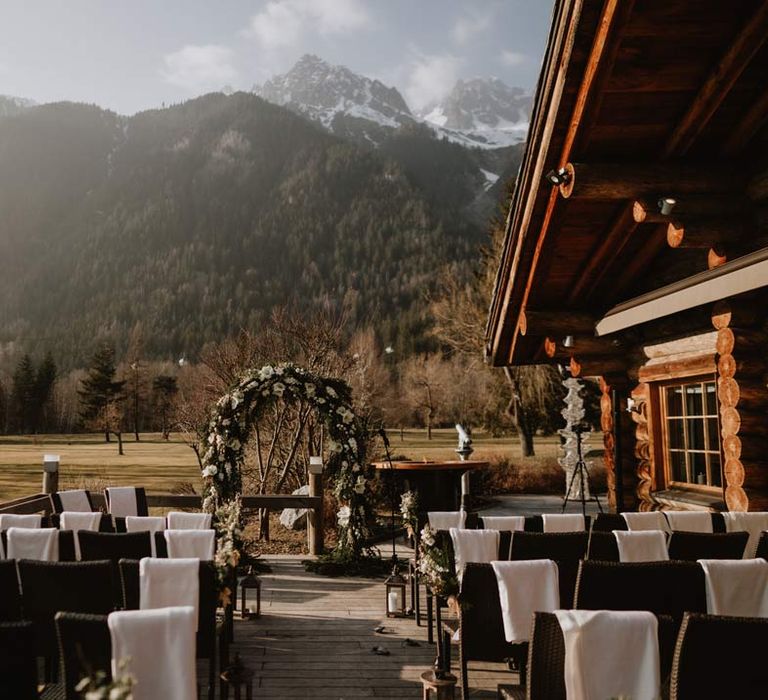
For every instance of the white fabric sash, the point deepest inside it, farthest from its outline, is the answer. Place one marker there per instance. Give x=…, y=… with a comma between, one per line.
x=9, y=520
x=641, y=545
x=525, y=587
x=652, y=520
x=689, y=520
x=33, y=543
x=474, y=546
x=563, y=522
x=75, y=501
x=191, y=544
x=736, y=586
x=122, y=501
x=511, y=523
x=753, y=523
x=189, y=521
x=610, y=654
x=165, y=583
x=445, y=520
x=159, y=648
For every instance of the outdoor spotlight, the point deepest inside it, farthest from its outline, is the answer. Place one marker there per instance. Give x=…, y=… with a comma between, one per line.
x=568, y=342
x=632, y=406
x=557, y=177
x=666, y=205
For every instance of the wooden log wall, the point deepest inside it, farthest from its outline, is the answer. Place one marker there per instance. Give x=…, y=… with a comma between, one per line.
x=607, y=424
x=742, y=350
x=643, y=449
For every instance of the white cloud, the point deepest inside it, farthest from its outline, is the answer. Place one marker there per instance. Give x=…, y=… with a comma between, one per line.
x=513, y=58
x=283, y=23
x=199, y=67
x=431, y=78
x=467, y=27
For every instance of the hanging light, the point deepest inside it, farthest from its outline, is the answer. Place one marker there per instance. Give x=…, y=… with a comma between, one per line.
x=568, y=341
x=666, y=205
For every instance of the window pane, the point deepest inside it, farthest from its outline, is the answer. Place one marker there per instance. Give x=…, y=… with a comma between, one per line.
x=695, y=433
x=698, y=467
x=694, y=405
x=710, y=388
x=714, y=468
x=676, y=436
x=675, y=401
x=677, y=464
x=713, y=434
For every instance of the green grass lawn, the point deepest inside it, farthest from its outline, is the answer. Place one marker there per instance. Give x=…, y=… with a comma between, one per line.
x=87, y=461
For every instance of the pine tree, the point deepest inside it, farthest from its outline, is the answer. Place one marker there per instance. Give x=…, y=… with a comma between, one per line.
x=22, y=402
x=45, y=379
x=165, y=389
x=99, y=393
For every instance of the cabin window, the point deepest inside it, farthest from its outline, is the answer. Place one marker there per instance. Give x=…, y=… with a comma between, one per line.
x=692, y=442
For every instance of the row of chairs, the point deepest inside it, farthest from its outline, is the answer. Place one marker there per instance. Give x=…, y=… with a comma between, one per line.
x=58, y=611
x=697, y=661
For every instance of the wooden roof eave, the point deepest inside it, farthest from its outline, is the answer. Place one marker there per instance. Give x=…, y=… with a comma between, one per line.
x=546, y=102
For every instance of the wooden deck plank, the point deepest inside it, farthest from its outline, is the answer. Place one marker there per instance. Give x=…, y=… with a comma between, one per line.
x=314, y=640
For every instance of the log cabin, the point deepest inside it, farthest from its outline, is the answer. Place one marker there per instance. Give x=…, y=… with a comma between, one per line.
x=636, y=245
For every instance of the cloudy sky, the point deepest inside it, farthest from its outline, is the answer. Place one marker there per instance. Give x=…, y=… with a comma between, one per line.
x=130, y=55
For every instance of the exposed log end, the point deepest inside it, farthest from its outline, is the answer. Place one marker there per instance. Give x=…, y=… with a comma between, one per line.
x=566, y=189
x=736, y=499
x=716, y=256
x=522, y=323
x=575, y=367
x=550, y=347
x=675, y=234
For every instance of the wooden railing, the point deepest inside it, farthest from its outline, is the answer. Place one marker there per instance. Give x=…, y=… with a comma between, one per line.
x=41, y=503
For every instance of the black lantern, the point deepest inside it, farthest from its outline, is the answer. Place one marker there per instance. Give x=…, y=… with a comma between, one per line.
x=251, y=581
x=395, y=589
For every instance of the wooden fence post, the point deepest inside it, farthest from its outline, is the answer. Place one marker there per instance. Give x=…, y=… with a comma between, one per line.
x=315, y=533
x=50, y=473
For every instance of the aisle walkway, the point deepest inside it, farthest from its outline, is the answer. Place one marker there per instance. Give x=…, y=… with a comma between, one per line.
x=315, y=635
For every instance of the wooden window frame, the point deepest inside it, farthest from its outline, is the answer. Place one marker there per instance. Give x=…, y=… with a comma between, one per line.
x=659, y=436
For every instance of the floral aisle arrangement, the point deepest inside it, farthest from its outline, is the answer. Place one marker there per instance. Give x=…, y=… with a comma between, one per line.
x=239, y=409
x=99, y=687
x=436, y=567
x=227, y=521
x=409, y=511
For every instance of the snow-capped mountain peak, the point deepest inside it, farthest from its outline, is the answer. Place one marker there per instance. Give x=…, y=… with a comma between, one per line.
x=335, y=96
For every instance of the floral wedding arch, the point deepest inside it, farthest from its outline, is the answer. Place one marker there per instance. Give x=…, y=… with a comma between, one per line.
x=238, y=411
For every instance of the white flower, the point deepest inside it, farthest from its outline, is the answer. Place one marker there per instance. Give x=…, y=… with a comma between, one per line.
x=279, y=370
x=333, y=446
x=428, y=536
x=309, y=389
x=360, y=485
x=210, y=470
x=353, y=443
x=278, y=389
x=235, y=444
x=343, y=516
x=266, y=372
x=355, y=467
x=331, y=393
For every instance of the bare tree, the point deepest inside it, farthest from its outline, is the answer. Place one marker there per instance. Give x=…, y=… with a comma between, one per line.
x=424, y=386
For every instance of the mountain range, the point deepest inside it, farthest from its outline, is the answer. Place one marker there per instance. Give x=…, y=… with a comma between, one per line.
x=197, y=220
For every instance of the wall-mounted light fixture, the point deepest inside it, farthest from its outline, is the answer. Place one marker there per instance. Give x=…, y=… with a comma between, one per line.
x=557, y=177
x=632, y=406
x=568, y=341
x=666, y=205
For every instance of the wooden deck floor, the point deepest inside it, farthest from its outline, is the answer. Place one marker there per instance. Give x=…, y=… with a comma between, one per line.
x=314, y=640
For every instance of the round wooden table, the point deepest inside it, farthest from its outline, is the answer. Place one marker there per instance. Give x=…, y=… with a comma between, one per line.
x=443, y=687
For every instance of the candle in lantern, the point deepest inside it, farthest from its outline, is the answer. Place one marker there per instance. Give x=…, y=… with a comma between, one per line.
x=392, y=602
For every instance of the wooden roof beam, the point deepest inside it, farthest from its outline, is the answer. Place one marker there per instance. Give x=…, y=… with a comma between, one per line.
x=744, y=130
x=582, y=346
x=551, y=323
x=646, y=211
x=703, y=234
x=719, y=83
x=633, y=181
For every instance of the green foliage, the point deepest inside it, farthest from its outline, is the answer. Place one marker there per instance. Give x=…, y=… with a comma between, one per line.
x=99, y=390
x=199, y=219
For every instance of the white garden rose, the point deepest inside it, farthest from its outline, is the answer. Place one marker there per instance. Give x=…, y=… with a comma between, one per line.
x=331, y=393
x=266, y=372
x=210, y=470
x=309, y=389
x=343, y=516
x=360, y=486
x=278, y=389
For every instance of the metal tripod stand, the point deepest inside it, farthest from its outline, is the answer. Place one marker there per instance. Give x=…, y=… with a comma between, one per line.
x=580, y=470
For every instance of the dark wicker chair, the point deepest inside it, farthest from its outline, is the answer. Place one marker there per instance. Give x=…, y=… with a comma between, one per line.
x=85, y=646
x=608, y=522
x=762, y=546
x=718, y=522
x=161, y=545
x=533, y=523
x=692, y=546
x=51, y=587
x=18, y=663
x=720, y=657
x=664, y=588
x=114, y=545
x=210, y=634
x=10, y=597
x=480, y=621
x=602, y=546
x=565, y=548
x=546, y=659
